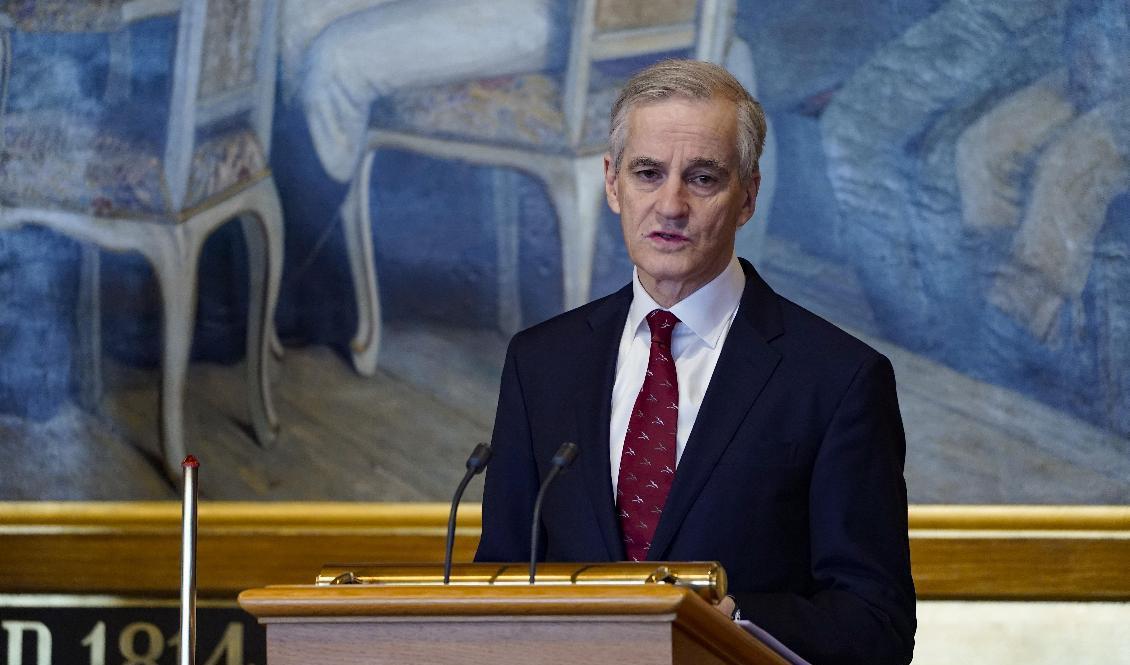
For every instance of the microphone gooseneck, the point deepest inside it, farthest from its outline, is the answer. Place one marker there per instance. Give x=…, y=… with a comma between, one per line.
x=478, y=461
x=560, y=462
x=186, y=651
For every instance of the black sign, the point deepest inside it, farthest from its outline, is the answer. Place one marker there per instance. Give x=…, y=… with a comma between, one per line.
x=111, y=631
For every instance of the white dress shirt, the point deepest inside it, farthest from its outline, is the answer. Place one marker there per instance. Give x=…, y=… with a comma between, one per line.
x=705, y=317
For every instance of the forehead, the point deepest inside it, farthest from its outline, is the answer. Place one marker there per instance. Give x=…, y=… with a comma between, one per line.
x=689, y=128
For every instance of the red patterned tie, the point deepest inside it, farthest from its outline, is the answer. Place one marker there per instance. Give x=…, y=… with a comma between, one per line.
x=647, y=465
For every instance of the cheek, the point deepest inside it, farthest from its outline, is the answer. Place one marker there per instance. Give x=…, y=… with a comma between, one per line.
x=631, y=232
x=632, y=215
x=722, y=222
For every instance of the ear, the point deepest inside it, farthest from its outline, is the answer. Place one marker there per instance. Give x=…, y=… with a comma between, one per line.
x=749, y=205
x=610, y=184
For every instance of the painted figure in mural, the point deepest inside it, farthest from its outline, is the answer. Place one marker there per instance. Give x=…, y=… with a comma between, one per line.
x=340, y=57
x=715, y=419
x=996, y=135
x=384, y=47
x=1067, y=137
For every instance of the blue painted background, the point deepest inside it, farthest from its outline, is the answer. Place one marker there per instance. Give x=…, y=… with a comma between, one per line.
x=924, y=273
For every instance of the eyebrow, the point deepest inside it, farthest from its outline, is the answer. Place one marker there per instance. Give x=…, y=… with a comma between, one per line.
x=696, y=163
x=708, y=163
x=644, y=161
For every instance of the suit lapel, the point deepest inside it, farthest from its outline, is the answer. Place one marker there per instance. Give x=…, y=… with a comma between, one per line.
x=746, y=363
x=597, y=373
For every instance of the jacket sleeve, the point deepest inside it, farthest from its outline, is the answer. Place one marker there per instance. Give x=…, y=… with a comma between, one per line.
x=512, y=477
x=862, y=606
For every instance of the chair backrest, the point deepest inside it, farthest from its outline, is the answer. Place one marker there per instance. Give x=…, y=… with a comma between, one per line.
x=605, y=30
x=224, y=69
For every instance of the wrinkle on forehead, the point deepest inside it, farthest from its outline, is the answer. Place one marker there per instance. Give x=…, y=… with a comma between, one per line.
x=662, y=128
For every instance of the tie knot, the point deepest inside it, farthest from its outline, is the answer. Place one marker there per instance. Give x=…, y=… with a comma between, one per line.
x=662, y=324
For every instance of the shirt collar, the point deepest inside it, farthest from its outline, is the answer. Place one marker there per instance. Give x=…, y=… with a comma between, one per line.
x=705, y=312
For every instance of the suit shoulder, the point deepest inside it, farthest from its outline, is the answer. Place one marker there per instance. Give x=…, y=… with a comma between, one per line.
x=803, y=337
x=565, y=327
x=823, y=340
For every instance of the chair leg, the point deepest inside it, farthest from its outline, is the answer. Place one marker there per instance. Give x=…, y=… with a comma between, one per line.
x=277, y=349
x=174, y=263
x=263, y=232
x=359, y=242
x=576, y=187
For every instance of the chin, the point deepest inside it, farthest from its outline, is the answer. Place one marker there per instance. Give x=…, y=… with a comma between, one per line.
x=664, y=271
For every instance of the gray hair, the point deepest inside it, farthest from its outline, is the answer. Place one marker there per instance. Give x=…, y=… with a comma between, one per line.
x=691, y=79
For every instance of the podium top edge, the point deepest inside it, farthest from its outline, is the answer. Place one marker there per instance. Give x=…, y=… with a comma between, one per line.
x=294, y=601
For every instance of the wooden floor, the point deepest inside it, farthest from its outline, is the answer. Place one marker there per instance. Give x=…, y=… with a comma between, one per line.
x=342, y=437
x=404, y=434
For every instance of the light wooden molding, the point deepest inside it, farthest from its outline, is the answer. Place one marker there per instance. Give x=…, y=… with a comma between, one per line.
x=1021, y=552
x=132, y=548
x=1019, y=518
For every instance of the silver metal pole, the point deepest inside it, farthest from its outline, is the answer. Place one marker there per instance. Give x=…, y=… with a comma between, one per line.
x=187, y=649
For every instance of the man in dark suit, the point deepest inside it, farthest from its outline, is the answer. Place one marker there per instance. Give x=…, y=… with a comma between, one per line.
x=715, y=419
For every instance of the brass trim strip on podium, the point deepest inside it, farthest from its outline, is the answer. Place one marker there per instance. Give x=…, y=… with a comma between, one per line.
x=705, y=579
x=132, y=548
x=298, y=600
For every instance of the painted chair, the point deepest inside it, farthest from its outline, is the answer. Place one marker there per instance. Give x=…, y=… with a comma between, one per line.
x=551, y=126
x=98, y=175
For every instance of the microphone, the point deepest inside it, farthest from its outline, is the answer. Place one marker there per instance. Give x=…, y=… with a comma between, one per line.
x=478, y=460
x=560, y=462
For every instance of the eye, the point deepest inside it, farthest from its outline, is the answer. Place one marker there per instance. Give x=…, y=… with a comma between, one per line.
x=648, y=174
x=704, y=181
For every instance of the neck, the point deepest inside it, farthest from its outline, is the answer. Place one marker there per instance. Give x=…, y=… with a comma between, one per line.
x=668, y=293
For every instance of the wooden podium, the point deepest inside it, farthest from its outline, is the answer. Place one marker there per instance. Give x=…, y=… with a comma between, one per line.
x=496, y=625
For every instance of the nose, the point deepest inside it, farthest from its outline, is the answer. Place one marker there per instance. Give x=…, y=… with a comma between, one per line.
x=672, y=203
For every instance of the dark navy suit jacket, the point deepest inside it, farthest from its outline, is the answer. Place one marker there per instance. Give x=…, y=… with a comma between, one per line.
x=792, y=476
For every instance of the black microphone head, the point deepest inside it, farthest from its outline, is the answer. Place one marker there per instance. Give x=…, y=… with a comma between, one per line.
x=479, y=458
x=565, y=455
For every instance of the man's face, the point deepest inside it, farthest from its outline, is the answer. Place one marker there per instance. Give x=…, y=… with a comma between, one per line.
x=678, y=193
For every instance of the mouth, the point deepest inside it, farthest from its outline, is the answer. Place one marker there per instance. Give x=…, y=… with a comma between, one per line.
x=668, y=237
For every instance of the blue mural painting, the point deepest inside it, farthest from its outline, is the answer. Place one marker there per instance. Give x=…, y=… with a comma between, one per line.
x=998, y=240
x=949, y=179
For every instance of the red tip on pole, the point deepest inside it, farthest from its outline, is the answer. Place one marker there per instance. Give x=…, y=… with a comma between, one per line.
x=190, y=461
